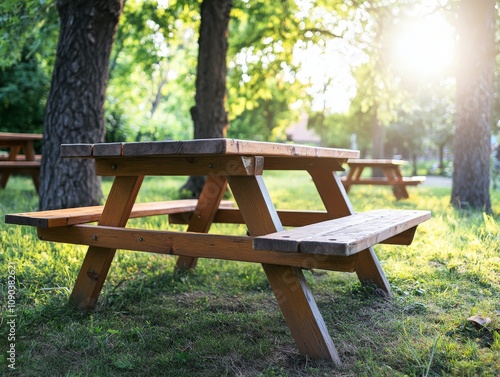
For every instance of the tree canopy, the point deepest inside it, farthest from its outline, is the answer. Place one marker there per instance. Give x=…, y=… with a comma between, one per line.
x=336, y=61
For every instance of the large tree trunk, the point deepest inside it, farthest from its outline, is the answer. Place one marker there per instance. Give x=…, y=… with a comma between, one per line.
x=471, y=162
x=75, y=106
x=209, y=113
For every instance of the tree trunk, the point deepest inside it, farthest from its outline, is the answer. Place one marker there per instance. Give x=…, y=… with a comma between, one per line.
x=441, y=159
x=75, y=106
x=471, y=162
x=378, y=138
x=209, y=113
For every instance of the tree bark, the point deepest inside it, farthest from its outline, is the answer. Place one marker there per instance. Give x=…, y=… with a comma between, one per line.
x=75, y=106
x=471, y=162
x=209, y=114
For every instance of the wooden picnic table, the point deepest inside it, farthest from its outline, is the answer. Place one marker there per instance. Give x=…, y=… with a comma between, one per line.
x=392, y=175
x=13, y=161
x=336, y=239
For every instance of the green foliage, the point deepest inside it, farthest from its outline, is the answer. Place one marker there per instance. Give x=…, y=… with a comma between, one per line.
x=28, y=32
x=153, y=68
x=268, y=117
x=154, y=59
x=23, y=92
x=27, y=28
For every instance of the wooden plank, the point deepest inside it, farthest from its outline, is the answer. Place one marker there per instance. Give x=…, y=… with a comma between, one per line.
x=194, y=245
x=405, y=181
x=212, y=165
x=345, y=236
x=215, y=146
x=303, y=163
x=288, y=218
x=15, y=136
x=19, y=157
x=81, y=215
x=288, y=283
x=19, y=165
x=233, y=216
x=107, y=150
x=233, y=146
x=76, y=150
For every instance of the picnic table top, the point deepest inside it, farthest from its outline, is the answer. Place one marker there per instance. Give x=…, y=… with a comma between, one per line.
x=215, y=146
x=12, y=136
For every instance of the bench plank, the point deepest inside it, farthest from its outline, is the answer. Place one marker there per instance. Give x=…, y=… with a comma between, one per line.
x=19, y=157
x=73, y=216
x=19, y=165
x=405, y=181
x=345, y=236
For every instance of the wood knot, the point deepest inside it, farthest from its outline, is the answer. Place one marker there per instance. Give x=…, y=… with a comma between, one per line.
x=93, y=275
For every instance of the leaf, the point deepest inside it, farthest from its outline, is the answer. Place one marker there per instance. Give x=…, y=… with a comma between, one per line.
x=479, y=322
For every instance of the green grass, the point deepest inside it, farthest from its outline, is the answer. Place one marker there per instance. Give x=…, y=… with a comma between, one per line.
x=222, y=320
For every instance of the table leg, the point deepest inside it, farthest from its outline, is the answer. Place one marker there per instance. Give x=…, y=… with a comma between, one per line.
x=394, y=174
x=288, y=283
x=337, y=205
x=29, y=153
x=204, y=213
x=13, y=152
x=96, y=264
x=351, y=176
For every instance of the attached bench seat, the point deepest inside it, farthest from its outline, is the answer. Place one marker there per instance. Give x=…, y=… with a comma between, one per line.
x=337, y=241
x=82, y=215
x=348, y=235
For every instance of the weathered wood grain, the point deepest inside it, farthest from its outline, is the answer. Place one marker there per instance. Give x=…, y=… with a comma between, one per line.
x=165, y=166
x=346, y=236
x=216, y=146
x=82, y=215
x=188, y=244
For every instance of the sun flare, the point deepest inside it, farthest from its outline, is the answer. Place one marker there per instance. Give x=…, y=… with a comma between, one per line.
x=426, y=47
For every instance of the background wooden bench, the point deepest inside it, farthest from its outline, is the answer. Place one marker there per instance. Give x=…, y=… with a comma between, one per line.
x=12, y=161
x=22, y=167
x=392, y=175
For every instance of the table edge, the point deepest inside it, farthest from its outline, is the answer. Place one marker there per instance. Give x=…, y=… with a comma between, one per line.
x=199, y=147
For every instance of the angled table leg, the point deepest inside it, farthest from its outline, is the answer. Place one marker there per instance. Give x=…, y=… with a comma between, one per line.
x=288, y=283
x=394, y=174
x=29, y=153
x=352, y=176
x=337, y=205
x=13, y=152
x=96, y=264
x=204, y=213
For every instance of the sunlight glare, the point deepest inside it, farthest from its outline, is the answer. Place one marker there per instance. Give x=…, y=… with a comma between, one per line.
x=426, y=47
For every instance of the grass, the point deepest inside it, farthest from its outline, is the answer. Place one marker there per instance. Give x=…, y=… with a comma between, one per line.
x=222, y=320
